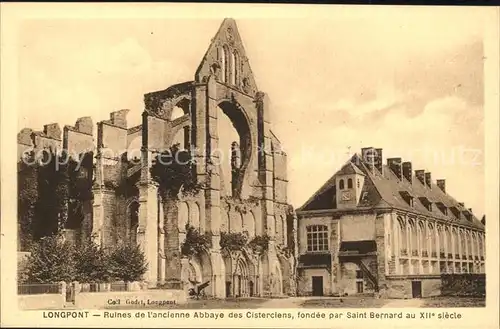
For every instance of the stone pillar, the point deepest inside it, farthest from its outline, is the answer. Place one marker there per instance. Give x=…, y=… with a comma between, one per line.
x=380, y=236
x=98, y=206
x=161, y=244
x=147, y=231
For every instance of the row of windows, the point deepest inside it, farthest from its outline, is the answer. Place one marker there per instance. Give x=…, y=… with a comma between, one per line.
x=349, y=183
x=230, y=62
x=429, y=206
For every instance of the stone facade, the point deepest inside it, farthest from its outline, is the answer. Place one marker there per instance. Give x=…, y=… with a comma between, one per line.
x=126, y=204
x=389, y=232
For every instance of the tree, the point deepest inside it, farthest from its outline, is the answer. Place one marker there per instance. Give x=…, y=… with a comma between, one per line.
x=92, y=264
x=53, y=194
x=173, y=170
x=51, y=261
x=127, y=262
x=27, y=196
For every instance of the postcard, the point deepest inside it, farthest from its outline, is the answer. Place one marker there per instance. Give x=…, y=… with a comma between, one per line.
x=183, y=165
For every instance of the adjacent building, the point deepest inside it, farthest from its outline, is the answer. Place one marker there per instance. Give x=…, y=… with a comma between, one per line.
x=385, y=229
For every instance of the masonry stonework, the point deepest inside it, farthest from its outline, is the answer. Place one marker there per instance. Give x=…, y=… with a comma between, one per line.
x=126, y=204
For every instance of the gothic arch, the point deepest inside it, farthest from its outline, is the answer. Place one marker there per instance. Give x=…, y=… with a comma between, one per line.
x=183, y=216
x=132, y=212
x=241, y=123
x=249, y=224
x=194, y=215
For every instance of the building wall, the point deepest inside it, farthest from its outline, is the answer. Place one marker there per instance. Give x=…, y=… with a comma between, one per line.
x=357, y=227
x=305, y=282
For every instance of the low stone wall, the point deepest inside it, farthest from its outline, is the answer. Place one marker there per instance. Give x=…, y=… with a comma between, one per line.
x=134, y=299
x=41, y=301
x=464, y=285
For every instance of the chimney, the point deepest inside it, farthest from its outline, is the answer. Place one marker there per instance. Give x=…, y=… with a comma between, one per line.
x=372, y=158
x=378, y=161
x=461, y=204
x=368, y=157
x=428, y=180
x=441, y=183
x=395, y=165
x=420, y=174
x=407, y=171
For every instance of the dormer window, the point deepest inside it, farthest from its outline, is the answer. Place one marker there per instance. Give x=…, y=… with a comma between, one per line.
x=442, y=207
x=341, y=184
x=426, y=203
x=468, y=215
x=408, y=198
x=455, y=212
x=349, y=183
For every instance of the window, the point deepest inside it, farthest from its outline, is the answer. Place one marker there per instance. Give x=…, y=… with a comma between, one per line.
x=225, y=63
x=317, y=238
x=359, y=274
x=349, y=183
x=341, y=184
x=234, y=68
x=359, y=183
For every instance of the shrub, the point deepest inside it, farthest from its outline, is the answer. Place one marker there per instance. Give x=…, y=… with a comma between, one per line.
x=195, y=242
x=51, y=260
x=232, y=241
x=260, y=243
x=127, y=262
x=92, y=264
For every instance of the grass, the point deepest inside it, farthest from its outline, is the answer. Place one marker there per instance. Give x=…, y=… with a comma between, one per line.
x=346, y=302
x=454, y=302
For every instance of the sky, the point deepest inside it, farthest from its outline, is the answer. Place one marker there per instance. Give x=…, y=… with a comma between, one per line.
x=409, y=82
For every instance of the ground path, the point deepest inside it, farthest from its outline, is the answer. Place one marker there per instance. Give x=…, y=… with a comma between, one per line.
x=398, y=303
x=291, y=302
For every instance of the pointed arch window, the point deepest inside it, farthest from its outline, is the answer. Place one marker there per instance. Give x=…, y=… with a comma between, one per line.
x=225, y=63
x=234, y=68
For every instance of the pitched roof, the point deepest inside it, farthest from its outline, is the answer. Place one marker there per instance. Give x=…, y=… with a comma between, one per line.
x=382, y=190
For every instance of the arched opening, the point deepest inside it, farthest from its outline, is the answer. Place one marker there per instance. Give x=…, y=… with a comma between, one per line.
x=183, y=216
x=413, y=238
x=194, y=216
x=442, y=244
x=234, y=68
x=134, y=149
x=177, y=112
x=224, y=221
x=249, y=224
x=447, y=237
x=225, y=63
x=421, y=238
x=402, y=241
x=341, y=184
x=349, y=183
x=234, y=147
x=133, y=217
